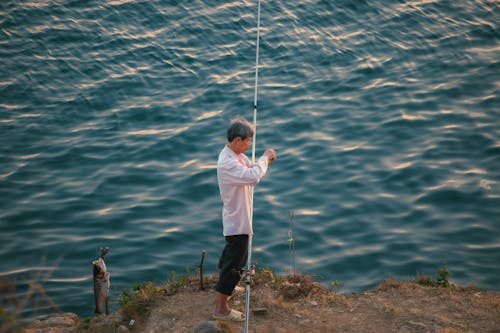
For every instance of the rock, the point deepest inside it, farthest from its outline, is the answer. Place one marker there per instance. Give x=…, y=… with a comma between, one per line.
x=123, y=329
x=58, y=323
x=207, y=327
x=413, y=326
x=304, y=322
x=50, y=330
x=260, y=311
x=418, y=325
x=64, y=320
x=104, y=323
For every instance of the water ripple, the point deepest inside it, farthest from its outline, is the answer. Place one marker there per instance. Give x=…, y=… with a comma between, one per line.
x=384, y=115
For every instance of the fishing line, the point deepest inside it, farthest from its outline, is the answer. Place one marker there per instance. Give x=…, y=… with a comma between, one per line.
x=250, y=269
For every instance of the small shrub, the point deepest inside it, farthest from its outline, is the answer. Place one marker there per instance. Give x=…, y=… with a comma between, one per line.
x=177, y=280
x=296, y=286
x=336, y=285
x=85, y=323
x=136, y=303
x=426, y=280
x=389, y=284
x=443, y=277
x=265, y=275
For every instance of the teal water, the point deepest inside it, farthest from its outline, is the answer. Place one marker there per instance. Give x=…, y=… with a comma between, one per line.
x=385, y=116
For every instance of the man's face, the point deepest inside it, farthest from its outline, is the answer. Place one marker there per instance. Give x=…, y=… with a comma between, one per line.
x=243, y=144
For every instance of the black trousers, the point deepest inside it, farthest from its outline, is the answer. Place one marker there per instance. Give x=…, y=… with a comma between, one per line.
x=231, y=263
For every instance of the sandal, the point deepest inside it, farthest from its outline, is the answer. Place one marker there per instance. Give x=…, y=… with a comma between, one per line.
x=233, y=315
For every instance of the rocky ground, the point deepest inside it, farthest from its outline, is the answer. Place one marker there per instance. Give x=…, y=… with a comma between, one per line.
x=295, y=304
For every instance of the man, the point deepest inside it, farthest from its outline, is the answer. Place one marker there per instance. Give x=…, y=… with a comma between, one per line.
x=237, y=177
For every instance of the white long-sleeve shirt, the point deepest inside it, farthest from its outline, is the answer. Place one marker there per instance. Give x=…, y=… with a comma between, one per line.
x=237, y=177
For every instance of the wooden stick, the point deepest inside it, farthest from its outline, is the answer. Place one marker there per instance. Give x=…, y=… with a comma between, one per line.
x=201, y=269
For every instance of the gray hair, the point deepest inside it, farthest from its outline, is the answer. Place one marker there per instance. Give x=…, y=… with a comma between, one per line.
x=239, y=127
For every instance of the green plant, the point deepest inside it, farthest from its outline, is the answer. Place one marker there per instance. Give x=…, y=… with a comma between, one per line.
x=442, y=280
x=177, y=280
x=426, y=280
x=85, y=322
x=336, y=285
x=443, y=276
x=135, y=303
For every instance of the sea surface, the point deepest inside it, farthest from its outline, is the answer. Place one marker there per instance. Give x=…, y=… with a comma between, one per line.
x=385, y=116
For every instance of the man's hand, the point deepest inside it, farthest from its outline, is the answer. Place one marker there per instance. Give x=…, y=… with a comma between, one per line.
x=270, y=154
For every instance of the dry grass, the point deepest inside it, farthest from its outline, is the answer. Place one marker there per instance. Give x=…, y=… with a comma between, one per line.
x=299, y=304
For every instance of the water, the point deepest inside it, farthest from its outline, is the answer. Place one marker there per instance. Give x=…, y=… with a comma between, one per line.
x=385, y=116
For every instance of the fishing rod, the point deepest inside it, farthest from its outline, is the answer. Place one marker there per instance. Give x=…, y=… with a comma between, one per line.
x=291, y=241
x=250, y=269
x=256, y=84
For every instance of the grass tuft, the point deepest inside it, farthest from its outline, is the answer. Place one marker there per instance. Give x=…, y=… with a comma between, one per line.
x=389, y=284
x=136, y=303
x=442, y=280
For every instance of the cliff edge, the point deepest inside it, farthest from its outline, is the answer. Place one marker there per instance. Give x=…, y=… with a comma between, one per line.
x=294, y=304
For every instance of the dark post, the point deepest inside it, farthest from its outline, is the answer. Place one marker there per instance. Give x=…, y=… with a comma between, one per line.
x=201, y=269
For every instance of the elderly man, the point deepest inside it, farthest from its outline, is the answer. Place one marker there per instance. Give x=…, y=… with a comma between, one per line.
x=237, y=177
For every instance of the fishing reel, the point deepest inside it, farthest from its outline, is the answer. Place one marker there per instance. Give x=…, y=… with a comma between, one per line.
x=248, y=274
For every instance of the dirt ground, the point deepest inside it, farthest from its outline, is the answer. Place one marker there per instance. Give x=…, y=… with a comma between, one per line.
x=294, y=304
x=297, y=304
